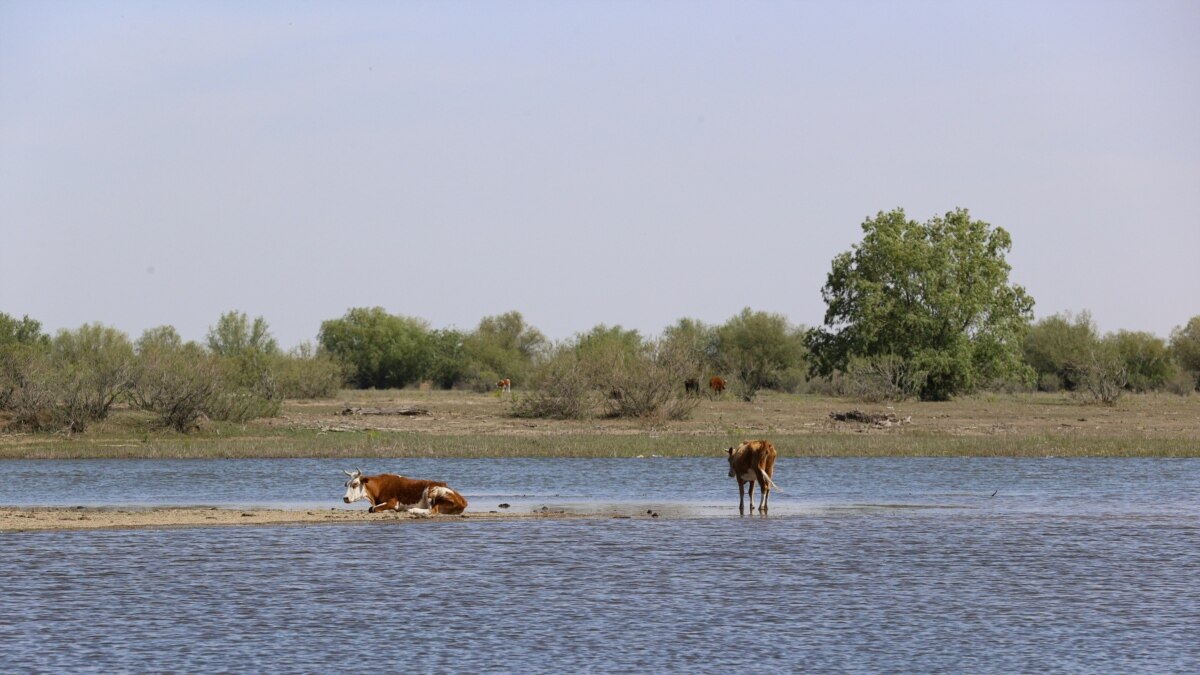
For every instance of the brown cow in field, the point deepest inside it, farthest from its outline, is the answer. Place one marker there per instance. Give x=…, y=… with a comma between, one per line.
x=505, y=385
x=717, y=385
x=389, y=491
x=753, y=461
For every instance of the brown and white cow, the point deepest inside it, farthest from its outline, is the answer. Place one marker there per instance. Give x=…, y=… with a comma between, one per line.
x=717, y=385
x=753, y=461
x=388, y=491
x=505, y=386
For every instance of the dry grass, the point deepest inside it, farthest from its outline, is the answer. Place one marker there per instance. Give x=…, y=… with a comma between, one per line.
x=464, y=424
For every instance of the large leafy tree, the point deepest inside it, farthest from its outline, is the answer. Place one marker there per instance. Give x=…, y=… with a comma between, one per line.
x=935, y=294
x=381, y=349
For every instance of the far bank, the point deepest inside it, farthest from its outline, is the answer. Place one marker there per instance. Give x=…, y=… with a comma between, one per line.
x=412, y=423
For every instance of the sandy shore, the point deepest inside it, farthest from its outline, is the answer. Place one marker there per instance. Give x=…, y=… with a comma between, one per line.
x=18, y=519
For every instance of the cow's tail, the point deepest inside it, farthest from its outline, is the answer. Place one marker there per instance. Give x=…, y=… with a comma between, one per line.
x=771, y=483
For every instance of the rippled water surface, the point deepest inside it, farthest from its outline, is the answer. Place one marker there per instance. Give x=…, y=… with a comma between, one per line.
x=898, y=565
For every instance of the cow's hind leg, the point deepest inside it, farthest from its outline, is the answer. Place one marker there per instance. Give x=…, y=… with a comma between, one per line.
x=742, y=497
x=764, y=489
x=750, y=494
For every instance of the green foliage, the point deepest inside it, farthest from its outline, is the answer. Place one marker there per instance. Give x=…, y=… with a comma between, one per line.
x=501, y=346
x=602, y=339
x=448, y=360
x=247, y=359
x=173, y=380
x=558, y=387
x=1102, y=373
x=757, y=349
x=1185, y=348
x=612, y=369
x=698, y=342
x=93, y=367
x=381, y=350
x=1146, y=358
x=935, y=295
x=885, y=377
x=309, y=374
x=234, y=335
x=27, y=331
x=27, y=386
x=1059, y=346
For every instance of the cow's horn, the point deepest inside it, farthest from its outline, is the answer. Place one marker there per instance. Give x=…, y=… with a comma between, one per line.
x=347, y=472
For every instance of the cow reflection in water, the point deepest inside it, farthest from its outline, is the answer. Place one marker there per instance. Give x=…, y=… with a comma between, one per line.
x=388, y=491
x=751, y=462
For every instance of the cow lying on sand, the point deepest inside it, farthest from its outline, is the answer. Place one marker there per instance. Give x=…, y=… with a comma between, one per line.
x=753, y=461
x=388, y=491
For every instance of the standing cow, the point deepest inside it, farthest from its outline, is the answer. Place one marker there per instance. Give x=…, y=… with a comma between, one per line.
x=716, y=384
x=753, y=461
x=691, y=386
x=389, y=491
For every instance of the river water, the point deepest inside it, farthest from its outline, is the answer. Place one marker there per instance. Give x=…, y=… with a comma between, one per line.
x=864, y=565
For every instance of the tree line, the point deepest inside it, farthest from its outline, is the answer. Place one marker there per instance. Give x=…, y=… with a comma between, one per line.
x=914, y=310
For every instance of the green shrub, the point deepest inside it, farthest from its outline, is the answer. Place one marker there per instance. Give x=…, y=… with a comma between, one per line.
x=883, y=378
x=756, y=349
x=646, y=383
x=381, y=350
x=303, y=374
x=1147, y=360
x=175, y=381
x=558, y=388
x=1102, y=374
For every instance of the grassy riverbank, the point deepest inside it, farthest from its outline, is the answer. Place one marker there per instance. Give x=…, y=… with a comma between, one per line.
x=463, y=424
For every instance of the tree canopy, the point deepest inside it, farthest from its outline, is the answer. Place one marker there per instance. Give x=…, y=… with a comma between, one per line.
x=383, y=350
x=935, y=294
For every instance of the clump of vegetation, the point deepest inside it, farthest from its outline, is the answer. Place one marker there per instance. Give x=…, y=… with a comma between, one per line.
x=610, y=372
x=174, y=380
x=935, y=294
x=68, y=382
x=559, y=388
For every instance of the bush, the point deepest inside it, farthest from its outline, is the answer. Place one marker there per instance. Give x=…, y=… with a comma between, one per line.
x=1147, y=360
x=558, y=388
x=757, y=349
x=27, y=387
x=91, y=368
x=301, y=374
x=1185, y=346
x=1183, y=383
x=648, y=383
x=381, y=350
x=883, y=378
x=1049, y=382
x=245, y=391
x=174, y=381
x=1103, y=374
x=1059, y=345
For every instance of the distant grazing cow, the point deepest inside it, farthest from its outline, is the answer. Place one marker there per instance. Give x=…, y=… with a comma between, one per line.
x=717, y=385
x=388, y=491
x=753, y=461
x=504, y=385
x=691, y=386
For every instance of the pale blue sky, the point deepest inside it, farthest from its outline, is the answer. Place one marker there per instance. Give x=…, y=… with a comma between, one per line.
x=625, y=163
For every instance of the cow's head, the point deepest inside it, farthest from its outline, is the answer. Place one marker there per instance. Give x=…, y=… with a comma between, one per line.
x=356, y=487
x=732, y=471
